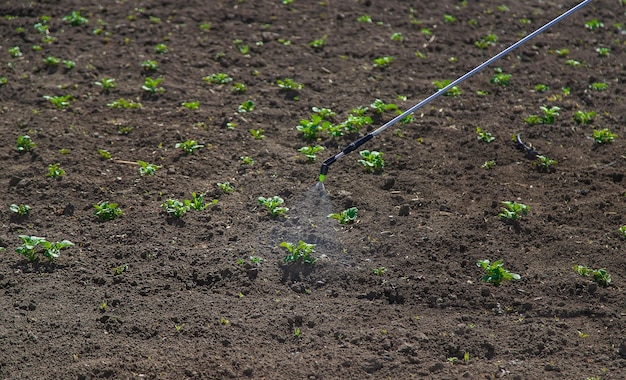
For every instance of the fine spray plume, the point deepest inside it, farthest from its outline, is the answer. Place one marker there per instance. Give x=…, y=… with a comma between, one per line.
x=354, y=145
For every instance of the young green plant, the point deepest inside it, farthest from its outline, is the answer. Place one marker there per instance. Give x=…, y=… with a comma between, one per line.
x=107, y=211
x=273, y=205
x=599, y=275
x=495, y=273
x=346, y=216
x=372, y=161
x=299, y=253
x=513, y=211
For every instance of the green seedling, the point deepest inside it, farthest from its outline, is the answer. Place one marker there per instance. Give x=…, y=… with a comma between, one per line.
x=69, y=64
x=106, y=84
x=3, y=81
x=21, y=209
x=104, y=154
x=500, y=78
x=484, y=135
x=324, y=113
x=383, y=62
x=246, y=160
x=160, y=48
x=188, y=146
x=197, y=202
x=51, y=61
x=205, y=26
x=488, y=164
x=151, y=86
x=288, y=84
x=15, y=51
x=599, y=275
x=246, y=106
x=75, y=19
x=449, y=19
x=51, y=250
x=346, y=216
x=273, y=205
x=379, y=271
x=218, y=78
x=603, y=51
x=495, y=273
x=119, y=269
x=454, y=91
x=598, y=86
x=150, y=65
x=175, y=208
x=55, y=171
x=544, y=164
x=297, y=332
x=257, y=134
x=311, y=128
x=540, y=87
x=243, y=48
x=549, y=117
x=372, y=160
x=124, y=104
x=351, y=125
x=562, y=52
x=25, y=144
x=594, y=24
x=513, y=210
x=319, y=43
x=107, y=211
x=364, y=18
x=239, y=88
x=191, y=105
x=380, y=107
x=622, y=231
x=582, y=117
x=604, y=136
x=310, y=152
x=299, y=253
x=59, y=102
x=226, y=187
x=397, y=36
x=573, y=63
x=426, y=31
x=146, y=168
x=486, y=41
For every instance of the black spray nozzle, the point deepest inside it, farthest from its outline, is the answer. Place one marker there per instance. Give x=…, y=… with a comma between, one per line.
x=346, y=150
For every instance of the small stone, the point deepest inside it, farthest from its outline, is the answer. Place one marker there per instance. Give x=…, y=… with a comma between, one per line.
x=436, y=367
x=404, y=210
x=371, y=365
x=622, y=349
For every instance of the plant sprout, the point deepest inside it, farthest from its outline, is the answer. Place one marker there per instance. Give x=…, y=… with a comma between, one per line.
x=486, y=41
x=372, y=160
x=622, y=230
x=189, y=146
x=598, y=86
x=15, y=51
x=75, y=19
x=488, y=164
x=238, y=88
x=160, y=48
x=300, y=252
x=51, y=61
x=151, y=85
x=380, y=107
x=257, y=134
x=582, y=117
x=150, y=65
x=484, y=135
x=346, y=216
x=604, y=136
x=288, y=84
x=175, y=208
x=226, y=187
x=124, y=104
x=544, y=164
x=246, y=160
x=454, y=91
x=383, y=62
x=495, y=273
x=55, y=171
x=311, y=128
x=107, y=211
x=540, y=87
x=25, y=144
x=603, y=51
x=21, y=209
x=513, y=210
x=599, y=275
x=273, y=205
x=51, y=250
x=246, y=106
x=594, y=24
x=106, y=84
x=318, y=43
x=310, y=152
x=500, y=78
x=146, y=168
x=59, y=102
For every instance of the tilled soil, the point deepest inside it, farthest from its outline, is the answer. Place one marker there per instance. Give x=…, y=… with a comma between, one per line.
x=396, y=294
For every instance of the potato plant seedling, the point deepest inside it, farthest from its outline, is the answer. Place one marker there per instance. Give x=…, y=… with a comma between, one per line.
x=299, y=253
x=273, y=205
x=34, y=245
x=372, y=161
x=19, y=209
x=189, y=147
x=25, y=144
x=495, y=273
x=513, y=211
x=599, y=275
x=346, y=216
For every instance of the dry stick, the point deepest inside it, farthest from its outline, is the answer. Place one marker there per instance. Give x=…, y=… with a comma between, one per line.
x=369, y=136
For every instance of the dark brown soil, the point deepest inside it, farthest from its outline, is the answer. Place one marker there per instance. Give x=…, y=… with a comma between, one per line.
x=191, y=305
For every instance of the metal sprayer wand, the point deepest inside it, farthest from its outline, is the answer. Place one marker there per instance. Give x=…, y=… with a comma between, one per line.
x=369, y=136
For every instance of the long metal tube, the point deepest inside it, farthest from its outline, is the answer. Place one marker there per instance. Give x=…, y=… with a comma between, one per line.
x=354, y=145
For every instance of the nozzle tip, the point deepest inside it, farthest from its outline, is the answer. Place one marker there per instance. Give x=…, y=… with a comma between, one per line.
x=322, y=177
